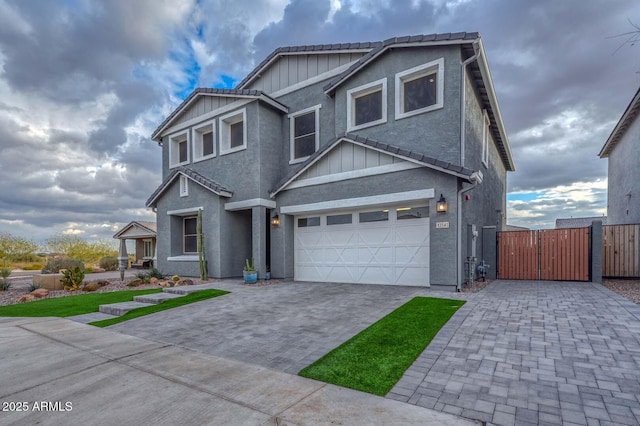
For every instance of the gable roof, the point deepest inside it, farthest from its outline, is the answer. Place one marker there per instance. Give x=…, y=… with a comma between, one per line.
x=149, y=227
x=304, y=50
x=412, y=156
x=629, y=115
x=203, y=181
x=203, y=91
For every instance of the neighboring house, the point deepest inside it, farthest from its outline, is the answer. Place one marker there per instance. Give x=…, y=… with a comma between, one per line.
x=144, y=235
x=514, y=228
x=622, y=149
x=579, y=222
x=326, y=163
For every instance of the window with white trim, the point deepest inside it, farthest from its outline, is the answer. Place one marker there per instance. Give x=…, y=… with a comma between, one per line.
x=190, y=236
x=147, y=248
x=204, y=141
x=419, y=89
x=305, y=133
x=184, y=186
x=233, y=132
x=486, y=136
x=367, y=105
x=179, y=149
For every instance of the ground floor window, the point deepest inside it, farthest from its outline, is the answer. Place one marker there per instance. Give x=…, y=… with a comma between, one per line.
x=148, y=248
x=190, y=236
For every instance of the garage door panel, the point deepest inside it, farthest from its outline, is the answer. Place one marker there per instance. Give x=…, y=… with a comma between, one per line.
x=384, y=252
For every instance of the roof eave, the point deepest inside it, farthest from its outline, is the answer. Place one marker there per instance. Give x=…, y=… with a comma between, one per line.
x=630, y=113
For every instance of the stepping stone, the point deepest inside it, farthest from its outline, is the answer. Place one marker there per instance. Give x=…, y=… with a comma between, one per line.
x=122, y=308
x=93, y=316
x=155, y=298
x=188, y=289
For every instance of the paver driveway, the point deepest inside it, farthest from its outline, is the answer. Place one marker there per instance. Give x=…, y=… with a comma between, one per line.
x=534, y=353
x=284, y=326
x=518, y=352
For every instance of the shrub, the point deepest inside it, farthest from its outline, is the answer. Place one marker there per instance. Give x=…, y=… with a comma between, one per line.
x=175, y=278
x=135, y=283
x=4, y=273
x=72, y=278
x=33, y=287
x=5, y=285
x=144, y=277
x=109, y=263
x=54, y=265
x=154, y=273
x=33, y=267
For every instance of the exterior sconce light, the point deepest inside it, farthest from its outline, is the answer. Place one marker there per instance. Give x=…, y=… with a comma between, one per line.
x=441, y=205
x=275, y=221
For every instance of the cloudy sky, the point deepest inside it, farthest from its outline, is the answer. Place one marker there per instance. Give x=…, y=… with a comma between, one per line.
x=84, y=83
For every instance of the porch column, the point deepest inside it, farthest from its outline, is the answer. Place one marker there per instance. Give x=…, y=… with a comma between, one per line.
x=123, y=258
x=259, y=239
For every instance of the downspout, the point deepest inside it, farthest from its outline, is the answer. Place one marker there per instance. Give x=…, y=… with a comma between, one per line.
x=463, y=89
x=476, y=179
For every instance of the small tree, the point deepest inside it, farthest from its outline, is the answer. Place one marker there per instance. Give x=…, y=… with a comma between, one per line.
x=14, y=248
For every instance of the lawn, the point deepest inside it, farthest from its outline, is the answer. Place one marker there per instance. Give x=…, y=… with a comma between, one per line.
x=375, y=359
x=70, y=305
x=167, y=304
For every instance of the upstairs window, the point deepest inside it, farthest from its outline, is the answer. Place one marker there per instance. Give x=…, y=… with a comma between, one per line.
x=304, y=130
x=367, y=105
x=420, y=89
x=233, y=132
x=190, y=235
x=179, y=149
x=204, y=141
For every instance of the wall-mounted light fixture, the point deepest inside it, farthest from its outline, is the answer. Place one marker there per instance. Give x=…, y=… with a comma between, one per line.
x=275, y=220
x=441, y=205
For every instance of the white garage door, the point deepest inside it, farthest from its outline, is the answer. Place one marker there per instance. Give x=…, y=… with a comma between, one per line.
x=383, y=246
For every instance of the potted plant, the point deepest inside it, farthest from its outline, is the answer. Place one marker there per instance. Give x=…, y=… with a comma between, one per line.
x=250, y=274
x=267, y=274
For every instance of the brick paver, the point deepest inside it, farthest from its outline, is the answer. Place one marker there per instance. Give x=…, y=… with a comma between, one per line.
x=534, y=353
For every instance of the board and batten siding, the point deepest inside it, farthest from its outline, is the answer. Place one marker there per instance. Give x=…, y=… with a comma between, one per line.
x=202, y=105
x=292, y=69
x=347, y=157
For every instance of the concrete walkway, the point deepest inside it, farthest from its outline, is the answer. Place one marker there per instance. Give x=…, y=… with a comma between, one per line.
x=60, y=372
x=534, y=353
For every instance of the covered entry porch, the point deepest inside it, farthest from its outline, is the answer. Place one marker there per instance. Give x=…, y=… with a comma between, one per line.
x=144, y=236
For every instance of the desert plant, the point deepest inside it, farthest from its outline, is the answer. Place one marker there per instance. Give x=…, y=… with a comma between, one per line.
x=5, y=285
x=72, y=278
x=144, y=277
x=175, y=278
x=109, y=263
x=54, y=265
x=249, y=266
x=154, y=273
x=75, y=247
x=4, y=273
x=33, y=267
x=135, y=283
x=33, y=287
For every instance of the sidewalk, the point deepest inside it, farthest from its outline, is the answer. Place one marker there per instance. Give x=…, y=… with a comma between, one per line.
x=86, y=375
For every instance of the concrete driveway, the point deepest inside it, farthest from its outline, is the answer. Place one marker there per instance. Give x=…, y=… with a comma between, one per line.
x=519, y=352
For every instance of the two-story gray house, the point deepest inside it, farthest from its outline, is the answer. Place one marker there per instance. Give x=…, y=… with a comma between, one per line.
x=354, y=163
x=622, y=149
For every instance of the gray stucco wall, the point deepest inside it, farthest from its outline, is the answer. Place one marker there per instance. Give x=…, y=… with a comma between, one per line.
x=170, y=241
x=624, y=178
x=435, y=133
x=443, y=241
x=487, y=202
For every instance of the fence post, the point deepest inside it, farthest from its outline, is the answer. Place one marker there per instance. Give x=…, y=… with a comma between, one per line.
x=596, y=252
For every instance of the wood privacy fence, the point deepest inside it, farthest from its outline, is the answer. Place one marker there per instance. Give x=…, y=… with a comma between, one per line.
x=555, y=254
x=621, y=251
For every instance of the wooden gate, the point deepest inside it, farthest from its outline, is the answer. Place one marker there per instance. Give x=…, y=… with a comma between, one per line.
x=554, y=254
x=621, y=251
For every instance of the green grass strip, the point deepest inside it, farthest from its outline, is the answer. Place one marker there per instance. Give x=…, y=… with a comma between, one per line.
x=70, y=305
x=375, y=359
x=167, y=304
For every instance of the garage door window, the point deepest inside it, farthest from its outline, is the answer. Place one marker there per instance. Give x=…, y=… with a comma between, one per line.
x=306, y=222
x=377, y=216
x=339, y=219
x=412, y=213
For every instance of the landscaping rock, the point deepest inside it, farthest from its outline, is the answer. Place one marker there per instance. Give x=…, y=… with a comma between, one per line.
x=26, y=298
x=183, y=282
x=91, y=287
x=165, y=284
x=40, y=293
x=153, y=280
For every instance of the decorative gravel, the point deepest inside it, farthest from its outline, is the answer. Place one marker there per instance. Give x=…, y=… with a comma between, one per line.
x=627, y=288
x=9, y=297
